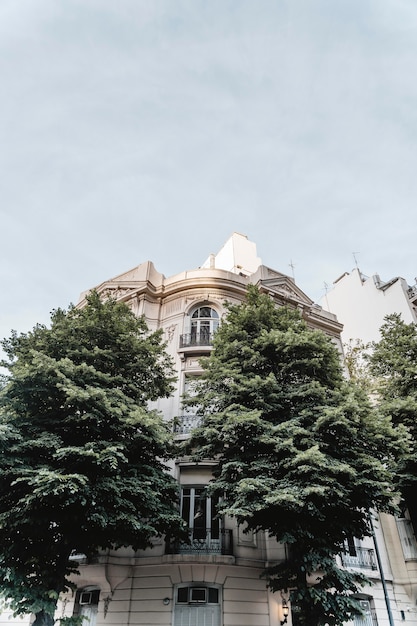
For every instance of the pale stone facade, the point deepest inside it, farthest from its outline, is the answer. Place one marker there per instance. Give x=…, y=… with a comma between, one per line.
x=223, y=563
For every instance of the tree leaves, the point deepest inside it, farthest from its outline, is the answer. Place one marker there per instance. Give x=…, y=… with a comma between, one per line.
x=394, y=362
x=300, y=453
x=81, y=455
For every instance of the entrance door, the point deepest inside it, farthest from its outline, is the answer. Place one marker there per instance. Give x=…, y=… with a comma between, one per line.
x=197, y=606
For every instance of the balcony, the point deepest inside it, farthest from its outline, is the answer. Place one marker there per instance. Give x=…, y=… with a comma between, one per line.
x=363, y=558
x=184, y=424
x=204, y=541
x=196, y=340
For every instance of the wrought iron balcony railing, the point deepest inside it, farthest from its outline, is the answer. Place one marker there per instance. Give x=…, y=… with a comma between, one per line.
x=204, y=541
x=191, y=340
x=363, y=558
x=184, y=424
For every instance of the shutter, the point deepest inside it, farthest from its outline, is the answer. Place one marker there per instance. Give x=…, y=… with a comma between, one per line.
x=407, y=538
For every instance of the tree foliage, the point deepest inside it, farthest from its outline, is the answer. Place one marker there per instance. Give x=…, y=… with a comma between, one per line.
x=394, y=362
x=299, y=451
x=81, y=455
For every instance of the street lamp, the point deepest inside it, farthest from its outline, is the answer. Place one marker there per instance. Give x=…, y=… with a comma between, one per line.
x=285, y=611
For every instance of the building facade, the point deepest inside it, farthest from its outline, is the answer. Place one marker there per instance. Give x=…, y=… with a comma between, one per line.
x=215, y=579
x=361, y=303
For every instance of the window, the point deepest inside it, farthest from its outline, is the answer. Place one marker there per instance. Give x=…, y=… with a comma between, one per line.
x=407, y=537
x=199, y=511
x=368, y=618
x=190, y=384
x=189, y=418
x=204, y=323
x=206, y=532
x=86, y=604
x=197, y=595
x=355, y=555
x=199, y=328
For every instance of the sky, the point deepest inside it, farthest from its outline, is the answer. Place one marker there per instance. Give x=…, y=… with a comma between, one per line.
x=153, y=129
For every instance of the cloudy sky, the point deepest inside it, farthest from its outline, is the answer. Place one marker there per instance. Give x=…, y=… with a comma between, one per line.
x=152, y=129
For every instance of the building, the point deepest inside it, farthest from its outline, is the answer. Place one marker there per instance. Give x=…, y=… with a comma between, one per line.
x=361, y=303
x=214, y=580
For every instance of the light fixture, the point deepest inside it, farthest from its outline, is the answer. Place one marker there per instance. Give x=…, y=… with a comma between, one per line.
x=285, y=611
x=166, y=601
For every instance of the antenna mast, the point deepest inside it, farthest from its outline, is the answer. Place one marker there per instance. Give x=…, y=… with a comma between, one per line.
x=292, y=266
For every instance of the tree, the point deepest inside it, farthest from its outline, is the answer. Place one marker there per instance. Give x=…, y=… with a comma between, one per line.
x=81, y=454
x=299, y=451
x=394, y=362
x=356, y=354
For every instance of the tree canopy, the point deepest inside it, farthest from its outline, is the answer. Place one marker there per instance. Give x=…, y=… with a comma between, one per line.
x=394, y=362
x=81, y=454
x=299, y=451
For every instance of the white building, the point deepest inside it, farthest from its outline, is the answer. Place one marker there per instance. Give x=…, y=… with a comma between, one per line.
x=215, y=580
x=361, y=303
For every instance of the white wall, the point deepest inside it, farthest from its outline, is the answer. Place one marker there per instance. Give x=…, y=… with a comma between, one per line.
x=361, y=307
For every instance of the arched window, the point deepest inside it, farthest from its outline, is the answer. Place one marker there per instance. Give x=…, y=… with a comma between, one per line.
x=204, y=323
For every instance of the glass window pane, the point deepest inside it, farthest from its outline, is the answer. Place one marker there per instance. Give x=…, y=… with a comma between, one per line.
x=182, y=595
x=185, y=505
x=213, y=595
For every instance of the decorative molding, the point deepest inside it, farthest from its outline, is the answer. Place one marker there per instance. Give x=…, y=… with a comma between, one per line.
x=170, y=331
x=245, y=538
x=116, y=292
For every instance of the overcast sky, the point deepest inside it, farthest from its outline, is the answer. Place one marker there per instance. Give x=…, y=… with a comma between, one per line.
x=136, y=130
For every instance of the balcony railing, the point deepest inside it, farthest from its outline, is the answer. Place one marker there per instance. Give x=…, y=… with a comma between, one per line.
x=204, y=541
x=191, y=340
x=363, y=558
x=184, y=424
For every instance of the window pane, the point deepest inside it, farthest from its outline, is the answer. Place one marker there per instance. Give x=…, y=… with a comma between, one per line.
x=200, y=515
x=213, y=595
x=182, y=595
x=198, y=595
x=185, y=505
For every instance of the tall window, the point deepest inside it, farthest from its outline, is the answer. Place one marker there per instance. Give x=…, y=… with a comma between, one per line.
x=199, y=512
x=189, y=419
x=86, y=605
x=204, y=323
x=407, y=537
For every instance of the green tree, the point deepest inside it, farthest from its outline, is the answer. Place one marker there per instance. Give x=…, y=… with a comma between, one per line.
x=299, y=451
x=81, y=454
x=356, y=354
x=394, y=362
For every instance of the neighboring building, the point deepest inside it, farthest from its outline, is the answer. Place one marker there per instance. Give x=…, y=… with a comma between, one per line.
x=215, y=580
x=361, y=303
